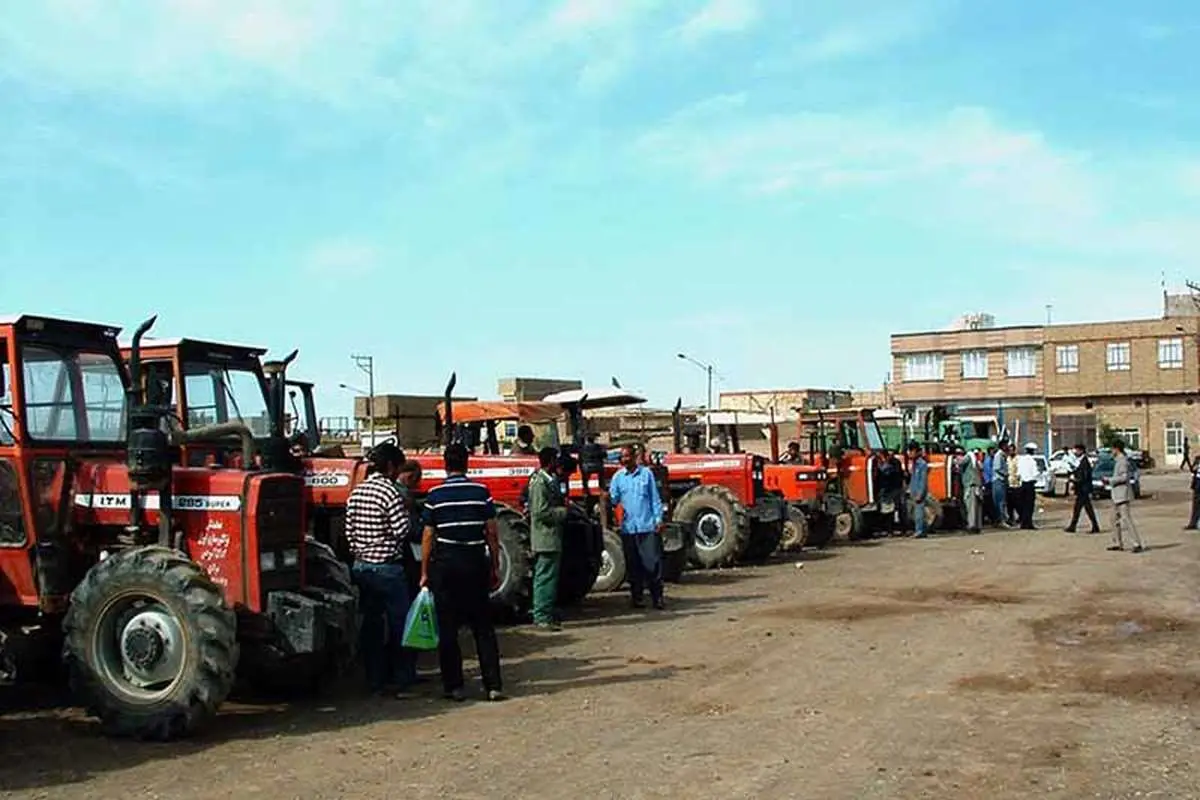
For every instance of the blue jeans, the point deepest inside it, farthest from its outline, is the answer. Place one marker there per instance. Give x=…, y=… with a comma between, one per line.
x=384, y=599
x=999, y=500
x=919, y=516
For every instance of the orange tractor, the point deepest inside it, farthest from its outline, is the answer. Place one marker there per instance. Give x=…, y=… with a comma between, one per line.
x=847, y=443
x=156, y=583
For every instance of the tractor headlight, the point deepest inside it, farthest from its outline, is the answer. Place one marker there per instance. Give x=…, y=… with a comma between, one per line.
x=291, y=558
x=266, y=561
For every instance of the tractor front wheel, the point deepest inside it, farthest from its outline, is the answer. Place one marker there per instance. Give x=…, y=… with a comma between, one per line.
x=612, y=564
x=513, y=596
x=795, y=530
x=150, y=646
x=719, y=524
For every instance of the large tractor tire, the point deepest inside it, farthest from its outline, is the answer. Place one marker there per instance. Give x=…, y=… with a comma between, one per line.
x=582, y=555
x=764, y=540
x=612, y=567
x=150, y=646
x=795, y=530
x=719, y=523
x=849, y=524
x=514, y=594
x=821, y=530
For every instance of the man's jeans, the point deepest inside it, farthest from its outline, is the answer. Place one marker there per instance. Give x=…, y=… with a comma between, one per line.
x=999, y=498
x=384, y=599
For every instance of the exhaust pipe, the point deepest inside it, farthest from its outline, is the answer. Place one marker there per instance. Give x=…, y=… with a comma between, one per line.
x=448, y=422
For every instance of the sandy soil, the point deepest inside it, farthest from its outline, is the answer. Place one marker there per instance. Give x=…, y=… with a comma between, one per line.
x=994, y=666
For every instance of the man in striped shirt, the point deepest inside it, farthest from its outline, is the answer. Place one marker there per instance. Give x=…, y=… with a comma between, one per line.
x=460, y=559
x=377, y=532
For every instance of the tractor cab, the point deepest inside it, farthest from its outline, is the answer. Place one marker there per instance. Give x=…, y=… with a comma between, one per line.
x=210, y=383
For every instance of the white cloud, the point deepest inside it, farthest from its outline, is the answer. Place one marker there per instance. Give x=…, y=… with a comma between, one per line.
x=720, y=16
x=342, y=259
x=961, y=171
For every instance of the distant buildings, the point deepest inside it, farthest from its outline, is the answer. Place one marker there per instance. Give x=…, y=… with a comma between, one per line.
x=1058, y=384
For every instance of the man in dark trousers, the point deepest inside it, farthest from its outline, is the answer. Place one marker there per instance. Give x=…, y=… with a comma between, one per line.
x=636, y=492
x=377, y=532
x=547, y=516
x=1194, y=520
x=1081, y=477
x=460, y=556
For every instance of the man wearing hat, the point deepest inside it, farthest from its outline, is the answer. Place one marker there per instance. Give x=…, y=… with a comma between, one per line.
x=1027, y=469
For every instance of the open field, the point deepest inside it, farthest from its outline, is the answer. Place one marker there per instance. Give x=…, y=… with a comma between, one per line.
x=1011, y=664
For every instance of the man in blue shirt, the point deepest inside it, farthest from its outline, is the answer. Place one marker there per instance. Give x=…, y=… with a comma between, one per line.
x=636, y=492
x=918, y=487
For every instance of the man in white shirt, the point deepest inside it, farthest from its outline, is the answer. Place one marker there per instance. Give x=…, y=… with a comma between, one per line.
x=1027, y=469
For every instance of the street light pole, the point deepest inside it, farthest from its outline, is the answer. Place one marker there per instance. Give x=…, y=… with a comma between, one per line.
x=708, y=371
x=367, y=365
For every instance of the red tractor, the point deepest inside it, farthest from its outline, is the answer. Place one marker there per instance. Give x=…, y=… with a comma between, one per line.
x=156, y=583
x=208, y=382
x=723, y=499
x=475, y=424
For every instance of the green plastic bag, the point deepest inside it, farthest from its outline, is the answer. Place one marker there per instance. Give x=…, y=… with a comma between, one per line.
x=420, y=627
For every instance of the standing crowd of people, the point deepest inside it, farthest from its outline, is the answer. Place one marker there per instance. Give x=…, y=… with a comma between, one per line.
x=450, y=545
x=999, y=488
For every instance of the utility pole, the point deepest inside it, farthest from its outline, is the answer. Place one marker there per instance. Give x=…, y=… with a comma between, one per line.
x=708, y=371
x=367, y=365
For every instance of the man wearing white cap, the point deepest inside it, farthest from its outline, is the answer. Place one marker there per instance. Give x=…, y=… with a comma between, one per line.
x=1027, y=469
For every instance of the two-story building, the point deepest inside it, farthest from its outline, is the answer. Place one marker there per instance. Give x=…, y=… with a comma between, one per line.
x=1141, y=377
x=1057, y=385
x=977, y=370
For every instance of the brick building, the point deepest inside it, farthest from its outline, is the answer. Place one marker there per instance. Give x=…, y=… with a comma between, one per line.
x=1059, y=384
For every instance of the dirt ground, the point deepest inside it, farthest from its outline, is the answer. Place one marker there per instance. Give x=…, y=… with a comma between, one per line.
x=1010, y=664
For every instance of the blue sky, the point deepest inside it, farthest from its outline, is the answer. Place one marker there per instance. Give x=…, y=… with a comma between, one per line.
x=585, y=188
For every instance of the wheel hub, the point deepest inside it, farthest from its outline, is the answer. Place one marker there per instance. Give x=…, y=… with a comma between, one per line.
x=151, y=648
x=143, y=647
x=710, y=530
x=606, y=564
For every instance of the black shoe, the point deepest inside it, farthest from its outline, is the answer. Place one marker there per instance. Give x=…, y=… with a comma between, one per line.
x=454, y=695
x=1114, y=548
x=496, y=696
x=1094, y=531
x=660, y=605
x=1138, y=549
x=1068, y=530
x=637, y=603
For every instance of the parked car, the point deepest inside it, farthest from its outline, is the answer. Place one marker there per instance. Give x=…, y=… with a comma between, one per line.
x=1103, y=471
x=1045, y=478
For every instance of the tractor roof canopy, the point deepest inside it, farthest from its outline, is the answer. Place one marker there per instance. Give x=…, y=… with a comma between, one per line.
x=594, y=398
x=499, y=410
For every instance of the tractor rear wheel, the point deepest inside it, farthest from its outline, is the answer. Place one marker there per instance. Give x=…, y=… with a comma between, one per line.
x=820, y=530
x=150, y=645
x=513, y=595
x=795, y=530
x=582, y=553
x=719, y=523
x=612, y=564
x=764, y=540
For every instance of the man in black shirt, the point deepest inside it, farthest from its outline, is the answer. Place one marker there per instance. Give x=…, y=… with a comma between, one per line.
x=1082, y=479
x=460, y=555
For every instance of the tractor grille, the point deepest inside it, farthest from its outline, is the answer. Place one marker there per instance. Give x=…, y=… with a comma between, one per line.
x=278, y=517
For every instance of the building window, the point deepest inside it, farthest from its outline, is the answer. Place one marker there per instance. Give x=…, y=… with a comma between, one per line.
x=1170, y=353
x=1022, y=362
x=1067, y=358
x=924, y=367
x=1132, y=437
x=974, y=364
x=1117, y=357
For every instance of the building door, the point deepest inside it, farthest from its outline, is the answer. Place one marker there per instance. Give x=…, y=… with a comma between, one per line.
x=1173, y=449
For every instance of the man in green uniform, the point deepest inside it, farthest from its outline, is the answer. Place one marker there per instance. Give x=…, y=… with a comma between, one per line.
x=547, y=516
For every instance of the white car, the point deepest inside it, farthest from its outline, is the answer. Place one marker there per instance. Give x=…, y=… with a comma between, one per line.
x=1045, y=478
